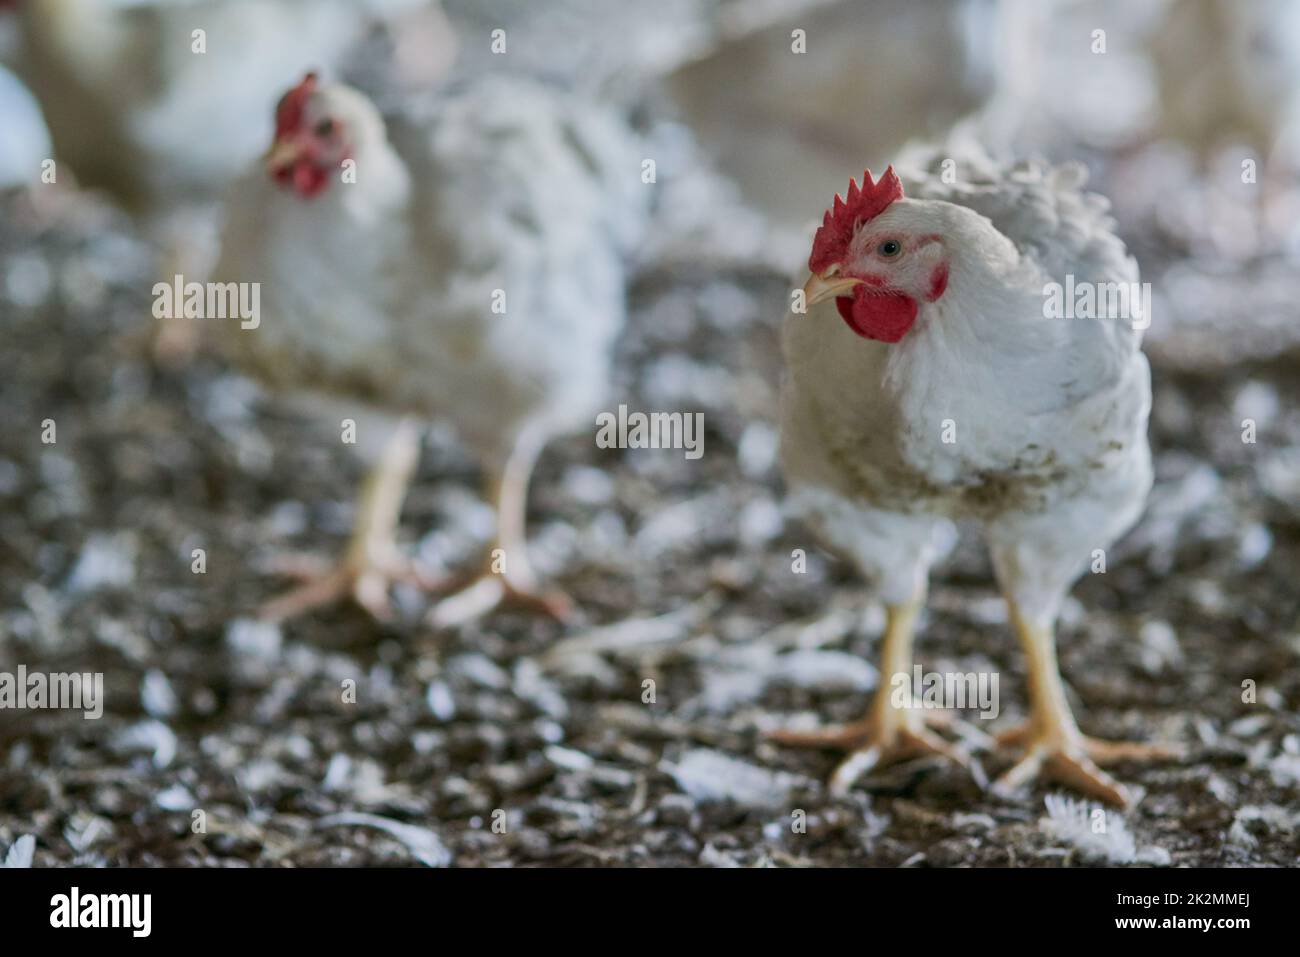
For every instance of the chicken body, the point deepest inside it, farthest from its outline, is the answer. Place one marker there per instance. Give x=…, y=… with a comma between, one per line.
x=981, y=409
x=473, y=273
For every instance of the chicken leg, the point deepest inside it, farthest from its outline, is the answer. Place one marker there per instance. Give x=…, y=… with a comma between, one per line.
x=372, y=560
x=508, y=577
x=1055, y=748
x=887, y=734
x=188, y=248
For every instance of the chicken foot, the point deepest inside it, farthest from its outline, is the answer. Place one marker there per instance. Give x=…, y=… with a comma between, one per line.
x=372, y=560
x=887, y=734
x=508, y=578
x=1055, y=748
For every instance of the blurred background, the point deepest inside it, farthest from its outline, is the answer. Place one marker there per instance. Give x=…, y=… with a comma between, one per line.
x=1186, y=113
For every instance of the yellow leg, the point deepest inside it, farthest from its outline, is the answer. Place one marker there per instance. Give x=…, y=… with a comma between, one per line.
x=189, y=246
x=508, y=577
x=1055, y=748
x=510, y=492
x=888, y=733
x=372, y=560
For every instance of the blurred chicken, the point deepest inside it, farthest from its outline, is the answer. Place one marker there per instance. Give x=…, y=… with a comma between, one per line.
x=472, y=272
x=163, y=119
x=1229, y=72
x=1228, y=75
x=871, y=78
x=606, y=50
x=926, y=313
x=134, y=106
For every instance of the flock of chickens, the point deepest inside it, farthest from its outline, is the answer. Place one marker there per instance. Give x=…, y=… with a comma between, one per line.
x=456, y=246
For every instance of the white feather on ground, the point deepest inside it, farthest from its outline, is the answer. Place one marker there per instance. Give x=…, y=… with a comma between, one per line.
x=1096, y=833
x=20, y=852
x=708, y=775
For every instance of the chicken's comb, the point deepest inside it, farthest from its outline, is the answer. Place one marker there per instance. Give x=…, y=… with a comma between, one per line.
x=859, y=205
x=288, y=112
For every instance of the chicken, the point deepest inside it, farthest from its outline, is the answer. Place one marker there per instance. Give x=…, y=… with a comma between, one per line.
x=1228, y=72
x=136, y=108
x=925, y=385
x=473, y=272
x=606, y=50
x=817, y=110
x=1228, y=76
x=143, y=106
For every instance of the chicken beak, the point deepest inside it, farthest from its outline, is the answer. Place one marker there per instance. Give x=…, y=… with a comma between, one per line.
x=826, y=286
x=283, y=152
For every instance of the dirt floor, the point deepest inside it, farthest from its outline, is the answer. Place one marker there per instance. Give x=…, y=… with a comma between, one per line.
x=521, y=742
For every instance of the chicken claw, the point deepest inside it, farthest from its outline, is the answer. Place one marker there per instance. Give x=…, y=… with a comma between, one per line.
x=490, y=591
x=874, y=743
x=888, y=734
x=509, y=578
x=372, y=560
x=365, y=582
x=1055, y=748
x=1074, y=760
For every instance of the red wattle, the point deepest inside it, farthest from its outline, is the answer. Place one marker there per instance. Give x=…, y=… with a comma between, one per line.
x=938, y=282
x=308, y=179
x=885, y=318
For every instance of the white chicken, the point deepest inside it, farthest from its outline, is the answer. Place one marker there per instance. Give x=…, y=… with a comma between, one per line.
x=1229, y=72
x=156, y=101
x=925, y=384
x=472, y=270
x=1228, y=75
x=159, y=102
x=800, y=87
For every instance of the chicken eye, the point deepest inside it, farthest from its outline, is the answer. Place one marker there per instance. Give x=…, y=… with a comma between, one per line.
x=325, y=127
x=889, y=248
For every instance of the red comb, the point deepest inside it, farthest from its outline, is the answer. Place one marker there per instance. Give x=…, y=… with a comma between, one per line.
x=836, y=231
x=288, y=112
